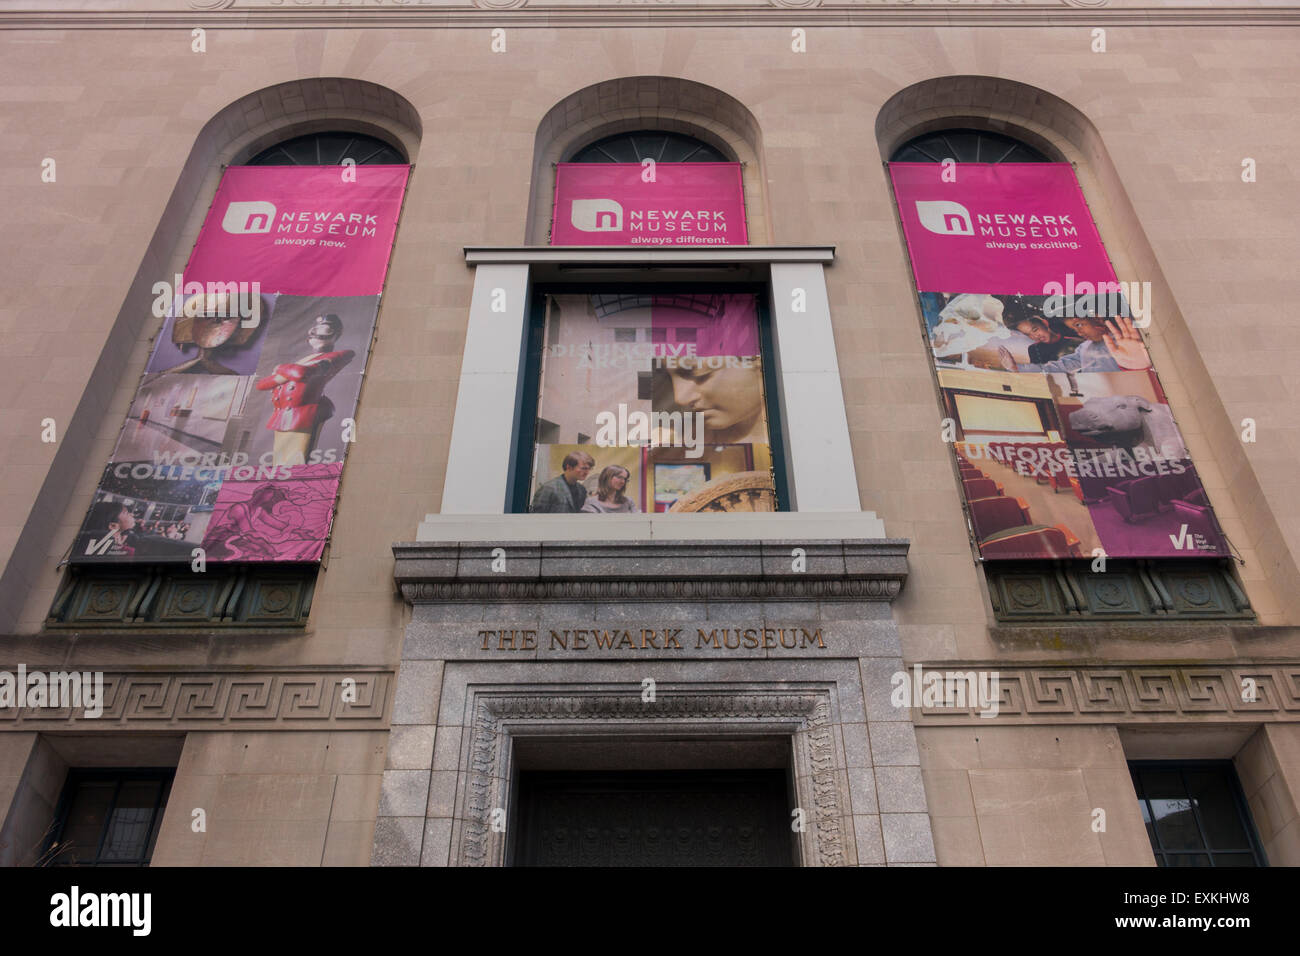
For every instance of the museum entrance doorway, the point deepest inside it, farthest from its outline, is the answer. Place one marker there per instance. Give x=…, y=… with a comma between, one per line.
x=691, y=800
x=654, y=818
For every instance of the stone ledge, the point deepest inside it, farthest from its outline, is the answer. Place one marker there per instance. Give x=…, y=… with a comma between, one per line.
x=673, y=570
x=494, y=529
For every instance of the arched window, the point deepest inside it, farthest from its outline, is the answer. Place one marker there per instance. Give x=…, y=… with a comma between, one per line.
x=328, y=149
x=966, y=146
x=661, y=146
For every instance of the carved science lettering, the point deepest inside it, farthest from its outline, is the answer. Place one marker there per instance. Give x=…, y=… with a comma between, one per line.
x=652, y=639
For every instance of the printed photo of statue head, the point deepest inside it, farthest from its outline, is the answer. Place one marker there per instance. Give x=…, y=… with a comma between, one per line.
x=213, y=334
x=724, y=393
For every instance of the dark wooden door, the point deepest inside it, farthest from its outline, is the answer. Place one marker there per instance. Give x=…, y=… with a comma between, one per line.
x=654, y=818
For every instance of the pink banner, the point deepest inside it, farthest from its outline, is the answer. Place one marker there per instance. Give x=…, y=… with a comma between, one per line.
x=1003, y=228
x=324, y=230
x=618, y=204
x=234, y=444
x=1066, y=445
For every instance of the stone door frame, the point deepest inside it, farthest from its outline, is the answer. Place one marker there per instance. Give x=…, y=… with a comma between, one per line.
x=803, y=714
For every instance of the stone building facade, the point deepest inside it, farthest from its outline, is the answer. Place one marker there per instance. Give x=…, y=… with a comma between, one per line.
x=392, y=708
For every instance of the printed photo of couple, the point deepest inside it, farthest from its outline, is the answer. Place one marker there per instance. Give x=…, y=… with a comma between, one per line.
x=588, y=479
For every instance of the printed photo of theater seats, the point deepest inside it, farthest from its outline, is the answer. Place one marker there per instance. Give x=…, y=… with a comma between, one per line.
x=1015, y=515
x=1022, y=499
x=1154, y=515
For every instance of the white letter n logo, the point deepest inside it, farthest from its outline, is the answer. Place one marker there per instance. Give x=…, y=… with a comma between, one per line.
x=944, y=217
x=244, y=217
x=596, y=215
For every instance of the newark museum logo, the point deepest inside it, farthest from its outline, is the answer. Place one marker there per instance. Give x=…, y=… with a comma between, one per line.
x=257, y=218
x=608, y=215
x=946, y=218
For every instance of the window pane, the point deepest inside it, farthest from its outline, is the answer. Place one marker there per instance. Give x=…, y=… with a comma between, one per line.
x=1172, y=809
x=1194, y=807
x=650, y=146
x=615, y=151
x=111, y=818
x=695, y=439
x=966, y=146
x=328, y=149
x=85, y=822
x=962, y=146
x=659, y=146
x=302, y=151
x=131, y=821
x=1219, y=816
x=332, y=147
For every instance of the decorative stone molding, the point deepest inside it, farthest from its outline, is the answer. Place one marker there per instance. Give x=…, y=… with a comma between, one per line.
x=1131, y=694
x=205, y=700
x=499, y=716
x=431, y=592
x=170, y=596
x=693, y=571
x=1153, y=589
